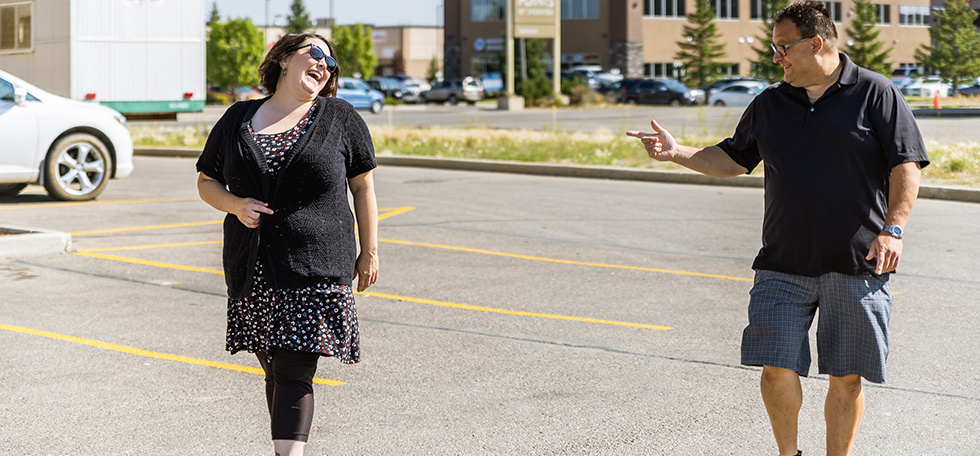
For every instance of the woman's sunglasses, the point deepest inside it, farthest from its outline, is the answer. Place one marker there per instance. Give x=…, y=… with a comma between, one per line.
x=318, y=54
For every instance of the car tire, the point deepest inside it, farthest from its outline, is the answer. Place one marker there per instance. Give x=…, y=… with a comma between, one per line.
x=77, y=168
x=453, y=100
x=631, y=101
x=675, y=102
x=376, y=106
x=720, y=104
x=11, y=189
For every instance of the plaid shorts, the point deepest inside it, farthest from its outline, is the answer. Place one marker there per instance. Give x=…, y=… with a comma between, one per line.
x=852, y=332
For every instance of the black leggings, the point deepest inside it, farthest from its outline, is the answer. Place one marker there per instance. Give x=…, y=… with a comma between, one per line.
x=289, y=392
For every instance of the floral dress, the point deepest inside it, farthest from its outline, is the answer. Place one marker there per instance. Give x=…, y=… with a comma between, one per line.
x=316, y=319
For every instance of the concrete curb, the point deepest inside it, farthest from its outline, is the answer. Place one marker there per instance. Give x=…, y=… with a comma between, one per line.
x=16, y=241
x=594, y=172
x=946, y=112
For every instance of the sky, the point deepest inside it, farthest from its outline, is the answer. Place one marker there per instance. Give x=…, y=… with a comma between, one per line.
x=373, y=12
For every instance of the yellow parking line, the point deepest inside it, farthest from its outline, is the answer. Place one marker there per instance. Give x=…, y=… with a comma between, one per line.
x=555, y=260
x=92, y=203
x=514, y=312
x=150, y=354
x=151, y=227
x=93, y=253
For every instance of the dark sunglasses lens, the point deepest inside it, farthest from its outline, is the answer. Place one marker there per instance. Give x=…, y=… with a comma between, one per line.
x=316, y=52
x=331, y=63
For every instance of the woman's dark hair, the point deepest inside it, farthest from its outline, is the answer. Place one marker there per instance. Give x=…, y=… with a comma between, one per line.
x=811, y=19
x=269, y=70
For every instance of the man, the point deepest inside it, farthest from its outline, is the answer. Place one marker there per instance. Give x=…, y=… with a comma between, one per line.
x=843, y=158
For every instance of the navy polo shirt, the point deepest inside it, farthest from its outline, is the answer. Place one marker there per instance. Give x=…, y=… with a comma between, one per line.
x=827, y=167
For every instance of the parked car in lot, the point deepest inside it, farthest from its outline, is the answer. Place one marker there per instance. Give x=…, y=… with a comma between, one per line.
x=360, y=94
x=391, y=88
x=970, y=88
x=739, y=93
x=412, y=92
x=927, y=87
x=655, y=91
x=595, y=76
x=452, y=91
x=701, y=95
x=73, y=148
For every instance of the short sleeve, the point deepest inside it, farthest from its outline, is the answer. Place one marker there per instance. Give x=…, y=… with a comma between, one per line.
x=360, y=148
x=896, y=129
x=743, y=147
x=212, y=159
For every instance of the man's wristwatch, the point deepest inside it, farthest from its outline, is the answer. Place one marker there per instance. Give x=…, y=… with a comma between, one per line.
x=894, y=230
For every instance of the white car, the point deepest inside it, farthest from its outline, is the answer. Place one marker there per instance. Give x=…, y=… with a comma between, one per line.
x=71, y=147
x=739, y=93
x=927, y=87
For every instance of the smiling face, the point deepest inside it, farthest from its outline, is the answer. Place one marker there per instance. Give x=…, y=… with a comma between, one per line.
x=303, y=73
x=799, y=64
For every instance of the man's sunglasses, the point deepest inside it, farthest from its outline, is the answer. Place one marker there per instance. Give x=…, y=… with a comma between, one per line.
x=780, y=49
x=318, y=54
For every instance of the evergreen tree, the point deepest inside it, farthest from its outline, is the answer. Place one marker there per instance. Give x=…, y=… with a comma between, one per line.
x=215, y=17
x=700, y=49
x=298, y=20
x=956, y=54
x=433, y=72
x=763, y=67
x=234, y=51
x=355, y=50
x=536, y=85
x=867, y=51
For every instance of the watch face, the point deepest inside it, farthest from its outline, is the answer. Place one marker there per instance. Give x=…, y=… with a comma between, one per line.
x=894, y=230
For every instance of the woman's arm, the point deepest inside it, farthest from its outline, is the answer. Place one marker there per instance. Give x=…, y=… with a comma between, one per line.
x=366, y=212
x=248, y=210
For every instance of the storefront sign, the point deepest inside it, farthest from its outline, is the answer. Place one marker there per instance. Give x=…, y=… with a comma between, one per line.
x=535, y=18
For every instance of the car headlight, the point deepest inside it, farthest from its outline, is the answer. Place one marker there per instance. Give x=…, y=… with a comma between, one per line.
x=120, y=118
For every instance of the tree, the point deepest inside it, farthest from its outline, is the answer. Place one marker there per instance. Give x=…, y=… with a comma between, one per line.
x=536, y=85
x=298, y=20
x=433, y=72
x=234, y=52
x=864, y=48
x=215, y=17
x=763, y=67
x=700, y=49
x=956, y=53
x=355, y=50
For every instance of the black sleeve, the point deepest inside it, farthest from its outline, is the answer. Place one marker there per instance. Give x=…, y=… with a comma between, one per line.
x=359, y=146
x=896, y=129
x=211, y=161
x=742, y=147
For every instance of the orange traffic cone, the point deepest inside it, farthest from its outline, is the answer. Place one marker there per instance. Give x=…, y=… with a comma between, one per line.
x=935, y=101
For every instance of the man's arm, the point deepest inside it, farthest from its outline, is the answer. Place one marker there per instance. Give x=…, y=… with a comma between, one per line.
x=903, y=188
x=711, y=160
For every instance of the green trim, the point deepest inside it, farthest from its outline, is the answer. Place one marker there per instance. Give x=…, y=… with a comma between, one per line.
x=143, y=107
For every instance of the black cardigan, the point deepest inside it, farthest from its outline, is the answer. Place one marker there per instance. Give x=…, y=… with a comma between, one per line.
x=310, y=236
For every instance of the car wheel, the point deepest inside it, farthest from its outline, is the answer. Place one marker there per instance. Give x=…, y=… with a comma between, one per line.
x=631, y=101
x=675, y=102
x=77, y=168
x=11, y=189
x=376, y=106
x=453, y=100
x=423, y=100
x=720, y=104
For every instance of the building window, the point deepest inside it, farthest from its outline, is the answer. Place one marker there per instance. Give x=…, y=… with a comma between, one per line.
x=884, y=13
x=664, y=8
x=15, y=27
x=726, y=9
x=663, y=69
x=580, y=9
x=761, y=9
x=488, y=10
x=913, y=15
x=834, y=8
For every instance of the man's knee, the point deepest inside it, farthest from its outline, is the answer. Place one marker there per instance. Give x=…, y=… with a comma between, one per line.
x=849, y=384
x=775, y=375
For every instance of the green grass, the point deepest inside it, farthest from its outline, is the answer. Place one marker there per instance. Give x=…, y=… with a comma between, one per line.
x=953, y=163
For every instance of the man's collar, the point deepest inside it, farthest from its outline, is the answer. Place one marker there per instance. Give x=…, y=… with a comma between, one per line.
x=848, y=71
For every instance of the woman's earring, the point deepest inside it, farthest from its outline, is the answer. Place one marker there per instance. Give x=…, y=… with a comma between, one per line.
x=283, y=71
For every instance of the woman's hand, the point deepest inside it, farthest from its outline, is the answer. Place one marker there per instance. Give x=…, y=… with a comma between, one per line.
x=250, y=210
x=366, y=270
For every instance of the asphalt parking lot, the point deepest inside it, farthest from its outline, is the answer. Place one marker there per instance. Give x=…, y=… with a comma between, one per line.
x=513, y=315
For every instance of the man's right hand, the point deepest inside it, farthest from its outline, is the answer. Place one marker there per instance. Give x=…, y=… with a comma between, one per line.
x=660, y=144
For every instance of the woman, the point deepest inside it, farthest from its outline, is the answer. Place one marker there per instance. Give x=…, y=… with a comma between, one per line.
x=281, y=167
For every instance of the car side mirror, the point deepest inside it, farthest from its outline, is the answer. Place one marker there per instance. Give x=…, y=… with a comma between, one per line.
x=20, y=94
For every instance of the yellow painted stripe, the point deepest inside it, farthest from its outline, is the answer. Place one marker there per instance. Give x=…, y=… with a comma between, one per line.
x=148, y=263
x=148, y=246
x=92, y=203
x=513, y=312
x=150, y=354
x=555, y=260
x=140, y=228
x=391, y=212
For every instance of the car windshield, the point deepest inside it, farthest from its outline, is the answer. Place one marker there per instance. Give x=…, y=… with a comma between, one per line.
x=675, y=86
